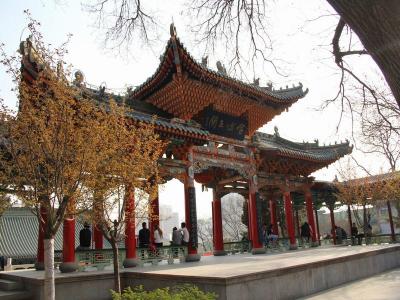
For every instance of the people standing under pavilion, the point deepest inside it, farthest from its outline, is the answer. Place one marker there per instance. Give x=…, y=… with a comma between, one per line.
x=185, y=234
x=305, y=232
x=158, y=236
x=176, y=237
x=85, y=237
x=144, y=236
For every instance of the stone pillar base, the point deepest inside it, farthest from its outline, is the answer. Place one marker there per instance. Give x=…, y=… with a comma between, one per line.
x=39, y=266
x=258, y=250
x=68, y=267
x=192, y=257
x=219, y=252
x=293, y=247
x=130, y=262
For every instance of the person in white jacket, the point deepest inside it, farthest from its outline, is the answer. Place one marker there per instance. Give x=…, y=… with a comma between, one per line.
x=158, y=236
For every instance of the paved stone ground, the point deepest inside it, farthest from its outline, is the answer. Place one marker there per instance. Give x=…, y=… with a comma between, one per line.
x=384, y=286
x=233, y=265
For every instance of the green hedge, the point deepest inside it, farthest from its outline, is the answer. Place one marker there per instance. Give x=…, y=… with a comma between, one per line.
x=184, y=292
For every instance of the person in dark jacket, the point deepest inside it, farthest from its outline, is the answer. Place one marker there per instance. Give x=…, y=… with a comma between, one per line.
x=85, y=237
x=305, y=232
x=144, y=236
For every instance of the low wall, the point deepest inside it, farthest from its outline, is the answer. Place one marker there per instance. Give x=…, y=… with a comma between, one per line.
x=284, y=283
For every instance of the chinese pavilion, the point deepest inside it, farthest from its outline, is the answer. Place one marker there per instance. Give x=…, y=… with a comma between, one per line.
x=210, y=121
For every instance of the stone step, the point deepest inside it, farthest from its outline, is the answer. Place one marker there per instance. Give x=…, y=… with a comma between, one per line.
x=15, y=295
x=8, y=285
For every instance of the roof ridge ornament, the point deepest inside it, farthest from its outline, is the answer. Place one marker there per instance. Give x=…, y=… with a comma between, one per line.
x=221, y=68
x=276, y=130
x=204, y=61
x=172, y=30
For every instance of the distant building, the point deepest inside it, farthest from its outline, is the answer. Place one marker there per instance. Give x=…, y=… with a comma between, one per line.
x=168, y=220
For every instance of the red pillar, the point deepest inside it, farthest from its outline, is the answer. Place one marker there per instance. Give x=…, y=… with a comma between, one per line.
x=130, y=236
x=257, y=246
x=39, y=265
x=154, y=217
x=310, y=216
x=332, y=215
x=68, y=264
x=289, y=220
x=248, y=221
x=190, y=209
x=296, y=213
x=97, y=238
x=393, y=234
x=218, y=237
x=317, y=222
x=274, y=220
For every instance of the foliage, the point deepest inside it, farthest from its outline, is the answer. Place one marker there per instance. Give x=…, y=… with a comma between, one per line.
x=184, y=292
x=66, y=151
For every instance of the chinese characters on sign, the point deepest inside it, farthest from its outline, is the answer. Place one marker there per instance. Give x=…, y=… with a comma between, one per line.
x=225, y=125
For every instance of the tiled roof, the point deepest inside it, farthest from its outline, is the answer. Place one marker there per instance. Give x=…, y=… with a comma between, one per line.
x=168, y=63
x=303, y=151
x=161, y=123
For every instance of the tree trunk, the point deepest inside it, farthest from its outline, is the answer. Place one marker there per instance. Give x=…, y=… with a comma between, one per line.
x=49, y=284
x=117, y=279
x=377, y=24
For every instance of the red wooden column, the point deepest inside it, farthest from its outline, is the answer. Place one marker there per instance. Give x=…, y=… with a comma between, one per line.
x=39, y=265
x=97, y=237
x=393, y=234
x=274, y=219
x=190, y=209
x=254, y=228
x=317, y=222
x=154, y=216
x=310, y=216
x=130, y=236
x=218, y=237
x=248, y=220
x=289, y=220
x=69, y=263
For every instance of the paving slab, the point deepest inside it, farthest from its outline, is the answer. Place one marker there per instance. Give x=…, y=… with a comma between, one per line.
x=384, y=286
x=228, y=266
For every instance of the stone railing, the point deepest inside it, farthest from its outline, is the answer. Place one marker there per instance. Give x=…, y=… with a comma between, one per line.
x=99, y=259
x=102, y=258
x=156, y=255
x=363, y=240
x=237, y=247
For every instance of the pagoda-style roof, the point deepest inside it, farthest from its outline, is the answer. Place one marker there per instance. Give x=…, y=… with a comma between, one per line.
x=287, y=157
x=183, y=87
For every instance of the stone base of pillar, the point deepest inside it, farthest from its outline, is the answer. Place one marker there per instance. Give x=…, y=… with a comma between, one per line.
x=219, y=252
x=39, y=266
x=192, y=257
x=130, y=262
x=293, y=247
x=314, y=244
x=68, y=267
x=258, y=250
